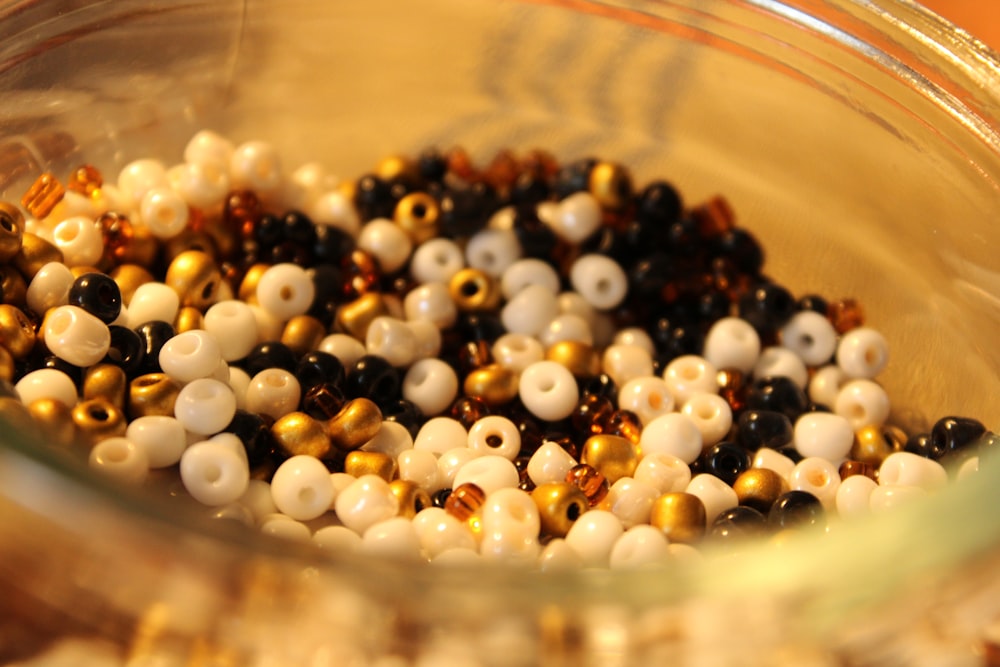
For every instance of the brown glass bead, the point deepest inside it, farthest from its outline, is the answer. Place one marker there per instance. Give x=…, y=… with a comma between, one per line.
x=241, y=211
x=494, y=385
x=680, y=516
x=118, y=234
x=464, y=501
x=624, y=423
x=54, y=421
x=13, y=286
x=358, y=463
x=851, y=467
x=323, y=401
x=591, y=414
x=714, y=217
x=7, y=365
x=297, y=433
x=17, y=332
x=473, y=291
x=143, y=249
x=85, y=180
x=611, y=185
x=97, y=419
x=732, y=388
x=845, y=314
x=43, y=195
x=461, y=166
x=759, y=488
x=590, y=481
x=129, y=277
x=540, y=163
x=467, y=410
x=195, y=277
x=11, y=231
x=188, y=318
x=356, y=423
x=35, y=252
x=303, y=334
x=412, y=499
x=581, y=359
x=353, y=318
x=360, y=272
x=106, y=381
x=559, y=504
x=502, y=170
x=613, y=455
x=152, y=394
x=418, y=213
x=474, y=354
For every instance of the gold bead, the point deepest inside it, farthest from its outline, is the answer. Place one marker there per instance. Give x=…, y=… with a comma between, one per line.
x=298, y=433
x=13, y=285
x=142, y=249
x=356, y=423
x=195, y=277
x=152, y=394
x=11, y=231
x=397, y=167
x=129, y=277
x=7, y=366
x=358, y=463
x=611, y=455
x=107, y=381
x=493, y=384
x=303, y=334
x=579, y=358
x=870, y=446
x=559, y=504
x=412, y=498
x=189, y=239
x=418, y=214
x=16, y=415
x=680, y=516
x=35, y=252
x=248, y=286
x=473, y=290
x=54, y=421
x=98, y=419
x=758, y=488
x=353, y=318
x=188, y=318
x=17, y=332
x=611, y=185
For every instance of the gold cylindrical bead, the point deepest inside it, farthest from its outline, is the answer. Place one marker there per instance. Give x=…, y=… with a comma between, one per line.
x=34, y=253
x=493, y=384
x=17, y=333
x=354, y=317
x=412, y=498
x=758, y=488
x=418, y=214
x=681, y=517
x=188, y=318
x=303, y=333
x=106, y=381
x=152, y=394
x=358, y=463
x=474, y=290
x=129, y=277
x=248, y=286
x=612, y=455
x=581, y=359
x=7, y=366
x=13, y=285
x=297, y=433
x=97, y=419
x=356, y=423
x=54, y=421
x=611, y=185
x=194, y=275
x=559, y=504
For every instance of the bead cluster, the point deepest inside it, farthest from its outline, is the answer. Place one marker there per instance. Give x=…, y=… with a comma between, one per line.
x=532, y=362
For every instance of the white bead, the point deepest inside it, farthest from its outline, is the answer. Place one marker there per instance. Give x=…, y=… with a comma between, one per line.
x=672, y=433
x=624, y=362
x=817, y=476
x=456, y=558
x=510, y=525
x=387, y=242
x=566, y=327
x=688, y=375
x=600, y=279
x=273, y=392
x=80, y=241
x=547, y=212
x=334, y=209
x=492, y=251
x=515, y=352
x=346, y=348
x=285, y=528
x=205, y=406
x=138, y=177
x=968, y=469
x=630, y=500
x=664, y=472
x=573, y=303
x=854, y=496
x=593, y=536
x=163, y=212
x=639, y=546
x=811, y=336
x=419, y=466
x=439, y=434
x=648, y=397
x=431, y=385
x=239, y=382
x=887, y=498
x=771, y=459
x=503, y=218
x=781, y=362
x=549, y=463
x=558, y=556
x=201, y=186
x=337, y=540
x=711, y=414
x=862, y=403
x=121, y=459
x=391, y=439
x=862, y=353
x=528, y=271
x=549, y=390
x=909, y=469
x=257, y=498
x=393, y=538
x=46, y=383
x=428, y=338
x=207, y=146
x=576, y=217
x=233, y=325
x=489, y=472
x=339, y=481
x=163, y=438
x=190, y=355
x=285, y=290
x=530, y=310
x=497, y=435
x=49, y=287
x=825, y=384
x=152, y=302
x=307, y=182
x=365, y=502
x=255, y=165
x=716, y=495
x=301, y=487
x=431, y=302
x=76, y=336
x=436, y=261
x=732, y=343
x=635, y=336
x=391, y=339
x=450, y=462
x=213, y=473
x=823, y=434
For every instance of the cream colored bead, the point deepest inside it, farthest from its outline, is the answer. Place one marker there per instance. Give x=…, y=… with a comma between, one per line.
x=593, y=537
x=732, y=343
x=439, y=531
x=549, y=463
x=781, y=362
x=673, y=433
x=664, y=472
x=908, y=469
x=392, y=438
x=639, y=546
x=490, y=473
x=440, y=434
x=510, y=527
x=394, y=538
x=711, y=414
x=817, y=476
x=688, y=375
x=854, y=496
x=714, y=493
x=648, y=397
x=630, y=500
x=771, y=459
x=516, y=352
x=886, y=498
x=365, y=502
x=625, y=362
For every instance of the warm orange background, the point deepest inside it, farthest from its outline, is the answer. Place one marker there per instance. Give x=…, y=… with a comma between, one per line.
x=979, y=17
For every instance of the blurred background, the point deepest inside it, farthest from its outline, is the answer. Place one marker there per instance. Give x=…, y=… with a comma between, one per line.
x=981, y=18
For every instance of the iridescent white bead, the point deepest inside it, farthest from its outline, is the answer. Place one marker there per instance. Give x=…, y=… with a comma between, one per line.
x=46, y=383
x=201, y=186
x=492, y=251
x=494, y=434
x=427, y=337
x=732, y=343
x=273, y=392
x=711, y=414
x=593, y=537
x=648, y=397
x=549, y=463
x=337, y=540
x=76, y=336
x=190, y=355
x=515, y=352
x=394, y=538
x=436, y=261
x=207, y=146
x=163, y=438
x=528, y=271
x=138, y=177
x=431, y=302
x=120, y=459
x=439, y=434
x=908, y=469
x=862, y=353
x=624, y=362
x=672, y=433
x=664, y=472
x=716, y=495
x=285, y=290
x=152, y=302
x=811, y=336
x=558, y=556
x=431, y=385
x=688, y=375
x=576, y=217
x=862, y=403
x=346, y=348
x=635, y=336
x=387, y=242
x=639, y=546
x=823, y=434
x=334, y=209
x=450, y=462
x=163, y=212
x=392, y=340
x=817, y=476
x=255, y=165
x=771, y=459
x=885, y=498
x=301, y=487
x=213, y=473
x=365, y=502
x=419, y=466
x=549, y=390
x=489, y=472
x=566, y=326
x=391, y=439
x=854, y=496
x=510, y=525
x=781, y=362
x=80, y=241
x=630, y=500
x=600, y=280
x=49, y=287
x=205, y=406
x=233, y=325
x=825, y=384
x=530, y=310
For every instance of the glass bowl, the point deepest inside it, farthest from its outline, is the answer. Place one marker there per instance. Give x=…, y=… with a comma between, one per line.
x=858, y=140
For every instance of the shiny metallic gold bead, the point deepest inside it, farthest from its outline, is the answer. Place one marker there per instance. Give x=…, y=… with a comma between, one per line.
x=303, y=334
x=13, y=286
x=611, y=455
x=611, y=185
x=397, y=167
x=418, y=214
x=758, y=488
x=7, y=366
x=142, y=249
x=152, y=394
x=17, y=332
x=298, y=433
x=107, y=381
x=559, y=504
x=493, y=384
x=581, y=359
x=189, y=239
x=353, y=318
x=34, y=253
x=358, y=463
x=248, y=286
x=356, y=423
x=129, y=277
x=412, y=498
x=97, y=419
x=870, y=446
x=473, y=290
x=195, y=277
x=188, y=318
x=681, y=517
x=11, y=230
x=54, y=421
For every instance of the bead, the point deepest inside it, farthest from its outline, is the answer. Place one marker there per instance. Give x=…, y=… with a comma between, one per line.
x=648, y=397
x=152, y=394
x=679, y=516
x=53, y=419
x=302, y=334
x=80, y=241
x=558, y=556
x=412, y=498
x=190, y=355
x=273, y=392
x=630, y=500
x=495, y=435
x=13, y=285
x=611, y=455
x=759, y=488
x=46, y=383
x=465, y=501
x=205, y=406
x=823, y=434
x=121, y=459
x=200, y=186
x=195, y=277
x=673, y=433
x=76, y=336
x=35, y=252
x=825, y=384
x=625, y=362
x=951, y=434
x=387, y=242
x=163, y=212
x=593, y=536
x=580, y=358
x=214, y=473
x=391, y=339
x=16, y=331
x=908, y=469
x=783, y=362
x=777, y=393
x=255, y=165
x=138, y=177
x=43, y=195
x=640, y=546
x=548, y=390
x=418, y=466
x=358, y=463
x=817, y=476
x=208, y=147
x=98, y=294
x=492, y=251
x=431, y=302
x=600, y=280
x=889, y=497
x=530, y=310
x=436, y=261
x=356, y=423
x=438, y=531
x=105, y=381
x=301, y=488
x=11, y=231
x=163, y=439
x=559, y=505
x=366, y=502
x=549, y=463
x=188, y=318
x=515, y=352
x=716, y=495
x=770, y=459
x=152, y=302
x=767, y=307
x=488, y=472
x=510, y=526
x=337, y=540
x=439, y=434
x=850, y=468
x=862, y=353
x=811, y=336
x=394, y=539
x=796, y=509
x=711, y=414
x=298, y=433
x=664, y=472
x=873, y=443
x=732, y=343
x=392, y=438
x=526, y=272
x=854, y=496
x=473, y=290
x=862, y=403
x=576, y=217
x=285, y=528
x=49, y=287
x=725, y=460
x=234, y=326
x=431, y=385
x=285, y=290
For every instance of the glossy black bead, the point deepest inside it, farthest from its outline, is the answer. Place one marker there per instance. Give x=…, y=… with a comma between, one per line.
x=432, y=165
x=813, y=302
x=127, y=350
x=317, y=367
x=374, y=378
x=743, y=249
x=682, y=237
x=153, y=336
x=573, y=177
x=737, y=523
x=659, y=204
x=439, y=498
x=763, y=428
x=98, y=294
x=649, y=275
x=328, y=292
x=795, y=509
x=767, y=307
x=297, y=227
x=921, y=444
x=331, y=244
x=268, y=231
x=713, y=306
x=789, y=452
x=270, y=354
x=373, y=197
x=51, y=361
x=254, y=432
x=463, y=212
x=676, y=341
x=536, y=238
x=953, y=433
x=777, y=393
x=480, y=327
x=725, y=460
x=529, y=189
x=406, y=414
x=600, y=385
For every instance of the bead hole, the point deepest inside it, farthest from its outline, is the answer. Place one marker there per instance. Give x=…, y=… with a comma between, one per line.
x=6, y=223
x=68, y=232
x=690, y=372
x=207, y=290
x=98, y=414
x=307, y=495
x=817, y=478
x=469, y=288
x=286, y=293
x=806, y=340
x=187, y=345
x=872, y=356
x=655, y=400
x=212, y=473
x=275, y=380
x=116, y=453
x=494, y=440
x=419, y=211
x=704, y=411
x=106, y=295
x=147, y=381
x=546, y=384
x=60, y=323
x=603, y=286
x=574, y=511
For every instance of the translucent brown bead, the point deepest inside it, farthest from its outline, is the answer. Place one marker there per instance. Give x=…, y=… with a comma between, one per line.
x=591, y=414
x=759, y=488
x=356, y=423
x=97, y=419
x=680, y=516
x=559, y=504
x=418, y=214
x=460, y=164
x=195, y=277
x=142, y=249
x=358, y=463
x=11, y=231
x=35, y=252
x=590, y=481
x=353, y=318
x=611, y=185
x=152, y=394
x=467, y=410
x=502, y=170
x=732, y=388
x=624, y=423
x=303, y=334
x=118, y=235
x=129, y=277
x=323, y=401
x=85, y=180
x=464, y=501
x=714, y=217
x=845, y=314
x=106, y=381
x=412, y=499
x=474, y=354
x=54, y=421
x=851, y=467
x=17, y=332
x=361, y=274
x=43, y=195
x=473, y=290
x=297, y=433
x=580, y=359
x=494, y=385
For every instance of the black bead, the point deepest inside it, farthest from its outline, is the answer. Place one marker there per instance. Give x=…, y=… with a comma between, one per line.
x=813, y=302
x=767, y=307
x=600, y=385
x=51, y=361
x=659, y=203
x=529, y=189
x=682, y=237
x=432, y=165
x=480, y=327
x=795, y=509
x=270, y=354
x=573, y=177
x=676, y=341
x=373, y=197
x=154, y=336
x=268, y=231
x=789, y=452
x=374, y=378
x=127, y=350
x=649, y=275
x=536, y=238
x=953, y=433
x=725, y=460
x=713, y=306
x=743, y=249
x=737, y=523
x=763, y=428
x=331, y=244
x=298, y=228
x=97, y=294
x=440, y=497
x=406, y=414
x=464, y=212
x=777, y=393
x=317, y=367
x=255, y=434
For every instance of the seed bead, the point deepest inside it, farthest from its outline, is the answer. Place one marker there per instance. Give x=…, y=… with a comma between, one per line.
x=781, y=361
x=497, y=435
x=151, y=302
x=516, y=352
x=205, y=406
x=854, y=496
x=711, y=414
x=163, y=439
x=612, y=456
x=759, y=488
x=431, y=302
x=530, y=310
x=80, y=241
x=548, y=390
x=49, y=287
x=97, y=419
x=625, y=362
x=436, y=261
x=301, y=488
x=664, y=472
x=464, y=501
x=76, y=336
x=365, y=502
x=440, y=434
x=810, y=336
x=593, y=536
x=46, y=383
x=387, y=242
x=862, y=403
x=255, y=165
x=121, y=459
x=152, y=394
x=769, y=459
x=438, y=531
x=600, y=280
x=431, y=385
x=525, y=272
x=908, y=469
x=285, y=290
x=714, y=493
x=825, y=384
x=732, y=343
x=823, y=434
x=510, y=525
x=679, y=516
x=273, y=392
x=492, y=251
x=163, y=212
x=213, y=473
x=673, y=433
x=549, y=463
x=640, y=546
x=566, y=327
x=190, y=355
x=630, y=500
x=817, y=476
x=138, y=177
x=559, y=505
x=201, y=186
x=488, y=472
x=195, y=277
x=233, y=325
x=862, y=353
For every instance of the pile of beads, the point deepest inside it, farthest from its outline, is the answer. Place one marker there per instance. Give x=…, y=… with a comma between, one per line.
x=532, y=363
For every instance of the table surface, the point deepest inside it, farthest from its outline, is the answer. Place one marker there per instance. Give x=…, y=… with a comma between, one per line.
x=979, y=17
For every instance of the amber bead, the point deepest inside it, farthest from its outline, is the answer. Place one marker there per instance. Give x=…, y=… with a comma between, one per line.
x=418, y=213
x=323, y=401
x=195, y=277
x=11, y=231
x=732, y=388
x=106, y=381
x=611, y=185
x=35, y=252
x=474, y=290
x=17, y=332
x=356, y=423
x=581, y=359
x=494, y=385
x=13, y=287
x=474, y=354
x=464, y=501
x=43, y=195
x=590, y=481
x=714, y=217
x=302, y=334
x=502, y=170
x=97, y=419
x=624, y=423
x=852, y=467
x=759, y=488
x=240, y=212
x=467, y=410
x=297, y=433
x=559, y=504
x=360, y=273
x=85, y=180
x=118, y=235
x=680, y=516
x=129, y=277
x=354, y=317
x=54, y=421
x=460, y=164
x=152, y=394
x=591, y=414
x=358, y=463
x=845, y=314
x=8, y=367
